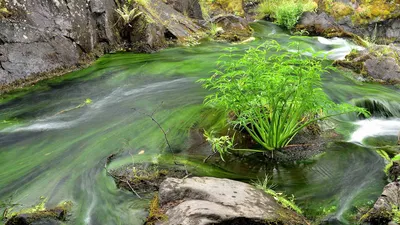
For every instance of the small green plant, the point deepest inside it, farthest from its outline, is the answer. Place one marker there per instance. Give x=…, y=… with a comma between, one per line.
x=128, y=15
x=286, y=13
x=328, y=210
x=266, y=186
x=273, y=97
x=222, y=144
x=215, y=30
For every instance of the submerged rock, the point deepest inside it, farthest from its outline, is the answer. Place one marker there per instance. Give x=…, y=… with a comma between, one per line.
x=53, y=216
x=145, y=177
x=208, y=200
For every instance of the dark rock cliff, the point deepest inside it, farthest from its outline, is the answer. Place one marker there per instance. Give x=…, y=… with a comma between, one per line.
x=41, y=36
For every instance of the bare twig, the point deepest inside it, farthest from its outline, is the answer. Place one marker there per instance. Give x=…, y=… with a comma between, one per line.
x=127, y=182
x=209, y=157
x=108, y=161
x=151, y=116
x=298, y=145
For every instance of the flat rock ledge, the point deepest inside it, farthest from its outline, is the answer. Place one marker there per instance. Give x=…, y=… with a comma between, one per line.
x=208, y=200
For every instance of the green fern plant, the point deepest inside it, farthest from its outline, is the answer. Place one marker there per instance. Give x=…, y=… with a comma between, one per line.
x=275, y=96
x=128, y=15
x=222, y=144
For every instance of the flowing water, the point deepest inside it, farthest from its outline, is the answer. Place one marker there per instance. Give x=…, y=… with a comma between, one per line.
x=52, y=145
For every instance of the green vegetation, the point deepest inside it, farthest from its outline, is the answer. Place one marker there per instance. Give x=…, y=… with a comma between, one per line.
x=6, y=207
x=3, y=10
x=395, y=214
x=286, y=202
x=221, y=144
x=388, y=160
x=229, y=6
x=273, y=97
x=155, y=213
x=128, y=15
x=338, y=9
x=286, y=13
x=140, y=2
x=366, y=11
x=215, y=30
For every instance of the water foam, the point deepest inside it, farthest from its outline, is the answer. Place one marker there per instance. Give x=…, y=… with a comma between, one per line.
x=375, y=127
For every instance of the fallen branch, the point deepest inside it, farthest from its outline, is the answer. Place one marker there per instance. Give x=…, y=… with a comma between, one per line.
x=127, y=182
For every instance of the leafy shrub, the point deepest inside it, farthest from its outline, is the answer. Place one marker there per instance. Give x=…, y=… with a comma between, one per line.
x=289, y=15
x=273, y=97
x=285, y=12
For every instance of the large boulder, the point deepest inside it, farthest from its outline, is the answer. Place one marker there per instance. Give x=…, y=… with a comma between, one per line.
x=207, y=200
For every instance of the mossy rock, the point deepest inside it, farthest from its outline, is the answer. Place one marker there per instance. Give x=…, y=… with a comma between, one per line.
x=145, y=177
x=377, y=63
x=228, y=6
x=48, y=216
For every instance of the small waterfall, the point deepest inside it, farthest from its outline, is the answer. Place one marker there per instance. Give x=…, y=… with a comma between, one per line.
x=341, y=47
x=379, y=108
x=383, y=122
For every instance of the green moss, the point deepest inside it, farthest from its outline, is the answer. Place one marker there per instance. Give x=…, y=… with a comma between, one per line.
x=339, y=10
x=3, y=10
x=367, y=11
x=39, y=211
x=232, y=6
x=209, y=7
x=156, y=214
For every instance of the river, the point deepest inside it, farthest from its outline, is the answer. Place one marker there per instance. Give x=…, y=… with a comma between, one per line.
x=54, y=146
